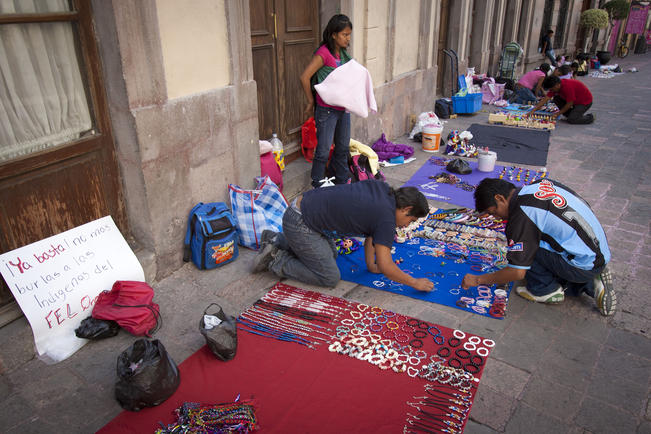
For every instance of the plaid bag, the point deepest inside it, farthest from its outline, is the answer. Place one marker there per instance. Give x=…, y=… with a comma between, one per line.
x=257, y=210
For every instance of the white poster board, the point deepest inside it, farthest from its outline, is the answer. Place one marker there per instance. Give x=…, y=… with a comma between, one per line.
x=56, y=281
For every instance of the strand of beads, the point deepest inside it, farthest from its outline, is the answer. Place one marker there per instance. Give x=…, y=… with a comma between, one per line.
x=218, y=418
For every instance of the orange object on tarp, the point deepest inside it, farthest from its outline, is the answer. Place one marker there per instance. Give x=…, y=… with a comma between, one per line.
x=130, y=304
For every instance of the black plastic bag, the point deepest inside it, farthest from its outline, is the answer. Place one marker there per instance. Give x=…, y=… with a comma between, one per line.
x=458, y=166
x=93, y=328
x=221, y=338
x=147, y=375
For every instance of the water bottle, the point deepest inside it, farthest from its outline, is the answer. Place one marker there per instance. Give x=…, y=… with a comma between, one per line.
x=277, y=148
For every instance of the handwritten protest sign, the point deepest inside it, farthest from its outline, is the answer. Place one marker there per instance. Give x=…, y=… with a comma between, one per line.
x=56, y=281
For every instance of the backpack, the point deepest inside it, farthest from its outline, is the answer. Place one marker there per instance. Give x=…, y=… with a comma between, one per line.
x=211, y=239
x=130, y=304
x=360, y=169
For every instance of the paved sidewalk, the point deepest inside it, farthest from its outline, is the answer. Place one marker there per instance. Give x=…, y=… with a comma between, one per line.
x=555, y=369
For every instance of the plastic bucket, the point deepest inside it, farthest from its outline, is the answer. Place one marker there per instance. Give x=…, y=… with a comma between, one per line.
x=431, y=137
x=486, y=161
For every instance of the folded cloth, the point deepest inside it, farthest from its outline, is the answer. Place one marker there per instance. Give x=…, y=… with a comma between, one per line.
x=358, y=148
x=349, y=86
x=387, y=150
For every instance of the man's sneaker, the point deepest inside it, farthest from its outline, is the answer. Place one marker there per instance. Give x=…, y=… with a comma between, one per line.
x=263, y=258
x=604, y=293
x=267, y=237
x=553, y=297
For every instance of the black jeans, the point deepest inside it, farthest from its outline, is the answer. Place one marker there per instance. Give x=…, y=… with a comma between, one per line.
x=575, y=115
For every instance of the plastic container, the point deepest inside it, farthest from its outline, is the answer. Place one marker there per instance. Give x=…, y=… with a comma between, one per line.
x=467, y=104
x=431, y=137
x=486, y=161
x=278, y=150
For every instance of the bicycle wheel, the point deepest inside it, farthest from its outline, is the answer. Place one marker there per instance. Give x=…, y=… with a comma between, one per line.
x=622, y=52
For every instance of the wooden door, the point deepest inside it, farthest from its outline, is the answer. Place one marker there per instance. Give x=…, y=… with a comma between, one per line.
x=443, y=62
x=63, y=186
x=284, y=35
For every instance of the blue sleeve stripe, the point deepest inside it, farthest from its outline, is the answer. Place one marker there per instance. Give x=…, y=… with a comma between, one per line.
x=519, y=267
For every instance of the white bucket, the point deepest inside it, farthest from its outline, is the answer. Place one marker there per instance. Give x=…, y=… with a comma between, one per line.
x=486, y=161
x=431, y=137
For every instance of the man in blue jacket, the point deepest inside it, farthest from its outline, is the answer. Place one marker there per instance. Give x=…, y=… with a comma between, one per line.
x=555, y=242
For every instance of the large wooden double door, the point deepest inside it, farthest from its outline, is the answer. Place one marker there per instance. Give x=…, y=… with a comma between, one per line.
x=284, y=36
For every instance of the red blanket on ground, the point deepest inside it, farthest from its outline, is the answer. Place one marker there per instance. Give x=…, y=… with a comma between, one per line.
x=293, y=388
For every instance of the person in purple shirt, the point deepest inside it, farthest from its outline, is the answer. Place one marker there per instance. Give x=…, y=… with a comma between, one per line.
x=332, y=123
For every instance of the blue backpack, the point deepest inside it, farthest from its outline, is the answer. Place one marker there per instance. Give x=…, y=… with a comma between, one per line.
x=211, y=239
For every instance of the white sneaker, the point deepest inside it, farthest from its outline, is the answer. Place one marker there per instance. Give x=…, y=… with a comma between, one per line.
x=554, y=297
x=604, y=293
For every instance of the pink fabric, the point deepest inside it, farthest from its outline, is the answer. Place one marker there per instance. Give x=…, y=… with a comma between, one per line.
x=530, y=79
x=351, y=87
x=268, y=166
x=328, y=60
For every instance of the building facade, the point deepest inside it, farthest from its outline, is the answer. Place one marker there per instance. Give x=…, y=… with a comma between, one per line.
x=172, y=97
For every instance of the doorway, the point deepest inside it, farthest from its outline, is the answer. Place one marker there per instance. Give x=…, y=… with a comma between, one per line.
x=284, y=36
x=58, y=168
x=442, y=60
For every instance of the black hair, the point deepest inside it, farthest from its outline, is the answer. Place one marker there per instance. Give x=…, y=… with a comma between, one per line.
x=487, y=189
x=550, y=31
x=336, y=24
x=545, y=67
x=550, y=82
x=410, y=196
x=564, y=69
x=574, y=64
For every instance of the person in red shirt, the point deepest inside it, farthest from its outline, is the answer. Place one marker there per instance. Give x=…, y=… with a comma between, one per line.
x=572, y=97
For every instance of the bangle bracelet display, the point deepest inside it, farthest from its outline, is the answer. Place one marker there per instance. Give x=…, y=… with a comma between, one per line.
x=455, y=363
x=469, y=367
x=454, y=342
x=444, y=352
x=416, y=343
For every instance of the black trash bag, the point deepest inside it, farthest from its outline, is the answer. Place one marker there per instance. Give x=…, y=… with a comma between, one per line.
x=221, y=338
x=418, y=137
x=93, y=328
x=147, y=375
x=458, y=166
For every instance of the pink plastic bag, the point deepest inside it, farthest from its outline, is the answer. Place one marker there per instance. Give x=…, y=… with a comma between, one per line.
x=491, y=91
x=268, y=166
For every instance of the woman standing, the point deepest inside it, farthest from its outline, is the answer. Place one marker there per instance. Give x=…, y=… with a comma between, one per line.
x=332, y=123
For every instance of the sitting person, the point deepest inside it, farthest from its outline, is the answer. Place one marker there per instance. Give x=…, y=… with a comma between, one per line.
x=555, y=242
x=306, y=251
x=575, y=68
x=564, y=72
x=572, y=97
x=582, y=68
x=529, y=87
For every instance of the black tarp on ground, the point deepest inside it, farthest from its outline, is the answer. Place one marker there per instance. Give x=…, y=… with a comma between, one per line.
x=513, y=145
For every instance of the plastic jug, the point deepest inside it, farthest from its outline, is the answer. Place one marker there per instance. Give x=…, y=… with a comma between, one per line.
x=277, y=148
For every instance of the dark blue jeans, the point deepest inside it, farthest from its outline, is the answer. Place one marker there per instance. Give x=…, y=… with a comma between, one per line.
x=549, y=270
x=575, y=115
x=524, y=95
x=332, y=126
x=304, y=255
